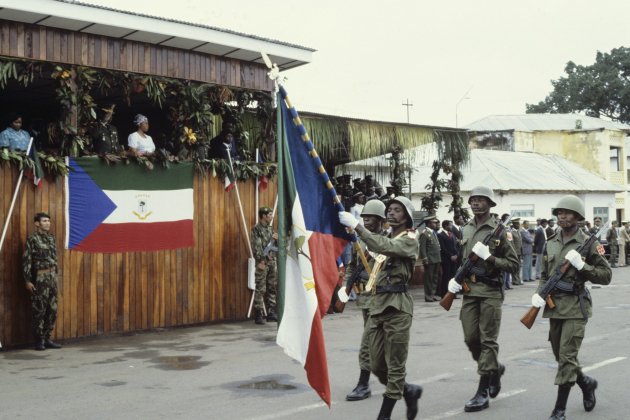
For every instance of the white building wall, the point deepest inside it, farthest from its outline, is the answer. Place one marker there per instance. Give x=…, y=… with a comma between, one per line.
x=542, y=204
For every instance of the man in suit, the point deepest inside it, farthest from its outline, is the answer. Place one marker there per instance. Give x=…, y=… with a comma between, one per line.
x=551, y=229
x=540, y=239
x=449, y=250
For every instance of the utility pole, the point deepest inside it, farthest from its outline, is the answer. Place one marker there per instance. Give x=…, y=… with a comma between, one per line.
x=407, y=104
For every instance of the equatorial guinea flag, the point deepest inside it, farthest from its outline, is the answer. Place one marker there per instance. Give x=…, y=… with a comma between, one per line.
x=126, y=208
x=309, y=273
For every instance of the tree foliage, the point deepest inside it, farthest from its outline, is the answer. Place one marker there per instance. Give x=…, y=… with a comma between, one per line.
x=601, y=89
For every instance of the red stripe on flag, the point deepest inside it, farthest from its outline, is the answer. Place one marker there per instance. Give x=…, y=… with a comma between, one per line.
x=316, y=365
x=324, y=249
x=130, y=237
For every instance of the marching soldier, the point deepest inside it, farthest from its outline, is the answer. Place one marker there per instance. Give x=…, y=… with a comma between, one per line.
x=568, y=318
x=39, y=266
x=391, y=305
x=481, y=309
x=263, y=240
x=430, y=257
x=373, y=215
x=105, y=135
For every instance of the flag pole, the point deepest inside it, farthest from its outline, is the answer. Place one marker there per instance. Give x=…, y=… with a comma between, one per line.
x=257, y=177
x=15, y=194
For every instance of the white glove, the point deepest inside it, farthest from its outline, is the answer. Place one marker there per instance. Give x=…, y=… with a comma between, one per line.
x=537, y=301
x=453, y=286
x=342, y=295
x=348, y=219
x=575, y=259
x=481, y=250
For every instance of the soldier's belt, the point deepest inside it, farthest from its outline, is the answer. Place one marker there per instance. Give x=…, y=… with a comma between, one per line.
x=46, y=270
x=392, y=288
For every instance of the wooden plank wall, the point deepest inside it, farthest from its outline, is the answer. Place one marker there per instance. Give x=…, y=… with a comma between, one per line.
x=114, y=293
x=62, y=46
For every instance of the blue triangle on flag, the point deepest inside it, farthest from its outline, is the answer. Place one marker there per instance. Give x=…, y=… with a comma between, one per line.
x=84, y=216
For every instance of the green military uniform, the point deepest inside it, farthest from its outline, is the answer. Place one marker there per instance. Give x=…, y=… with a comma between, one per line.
x=612, y=238
x=517, y=242
x=266, y=278
x=105, y=138
x=363, y=298
x=573, y=308
x=39, y=266
x=481, y=308
x=431, y=259
x=391, y=308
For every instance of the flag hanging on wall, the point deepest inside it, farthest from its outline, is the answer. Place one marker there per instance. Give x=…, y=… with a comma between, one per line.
x=309, y=274
x=126, y=208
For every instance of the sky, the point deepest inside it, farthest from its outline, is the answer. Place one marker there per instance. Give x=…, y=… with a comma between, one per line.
x=456, y=61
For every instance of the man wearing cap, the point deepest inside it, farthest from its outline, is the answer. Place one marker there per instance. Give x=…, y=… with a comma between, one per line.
x=572, y=300
x=540, y=239
x=373, y=215
x=430, y=257
x=481, y=307
x=391, y=305
x=263, y=240
x=39, y=265
x=104, y=135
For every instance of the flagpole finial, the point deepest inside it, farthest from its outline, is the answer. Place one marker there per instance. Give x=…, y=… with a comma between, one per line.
x=273, y=74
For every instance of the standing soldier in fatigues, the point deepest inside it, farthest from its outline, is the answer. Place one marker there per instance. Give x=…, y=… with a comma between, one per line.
x=430, y=257
x=373, y=215
x=567, y=320
x=391, y=305
x=612, y=238
x=104, y=135
x=481, y=309
x=517, y=242
x=263, y=241
x=39, y=265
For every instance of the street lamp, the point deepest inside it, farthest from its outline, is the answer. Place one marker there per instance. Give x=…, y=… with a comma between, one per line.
x=465, y=96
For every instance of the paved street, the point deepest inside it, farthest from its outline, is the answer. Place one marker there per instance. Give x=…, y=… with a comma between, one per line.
x=235, y=370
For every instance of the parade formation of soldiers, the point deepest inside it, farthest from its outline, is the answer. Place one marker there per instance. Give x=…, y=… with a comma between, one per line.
x=379, y=273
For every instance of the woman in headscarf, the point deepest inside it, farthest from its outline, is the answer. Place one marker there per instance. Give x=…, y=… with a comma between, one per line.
x=140, y=143
x=13, y=136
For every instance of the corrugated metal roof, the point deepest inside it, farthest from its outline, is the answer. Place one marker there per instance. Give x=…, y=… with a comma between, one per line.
x=544, y=122
x=500, y=170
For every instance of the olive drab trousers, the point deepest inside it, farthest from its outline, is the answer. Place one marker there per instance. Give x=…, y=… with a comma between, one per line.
x=266, y=286
x=565, y=336
x=388, y=334
x=481, y=321
x=364, y=350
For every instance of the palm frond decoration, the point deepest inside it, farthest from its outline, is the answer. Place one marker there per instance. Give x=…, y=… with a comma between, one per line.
x=329, y=135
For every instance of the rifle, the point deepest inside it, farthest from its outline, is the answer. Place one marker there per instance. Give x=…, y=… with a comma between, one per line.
x=530, y=316
x=472, y=258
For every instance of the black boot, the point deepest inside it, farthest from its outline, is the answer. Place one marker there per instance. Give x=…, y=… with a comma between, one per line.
x=558, y=412
x=51, y=344
x=271, y=316
x=412, y=394
x=39, y=344
x=495, y=381
x=362, y=390
x=588, y=386
x=386, y=408
x=481, y=399
x=258, y=319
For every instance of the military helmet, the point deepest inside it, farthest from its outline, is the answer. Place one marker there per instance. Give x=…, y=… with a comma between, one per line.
x=483, y=191
x=406, y=203
x=374, y=208
x=570, y=202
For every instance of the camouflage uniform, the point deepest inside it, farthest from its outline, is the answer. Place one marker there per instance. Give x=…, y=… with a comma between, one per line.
x=105, y=139
x=266, y=278
x=40, y=268
x=567, y=322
